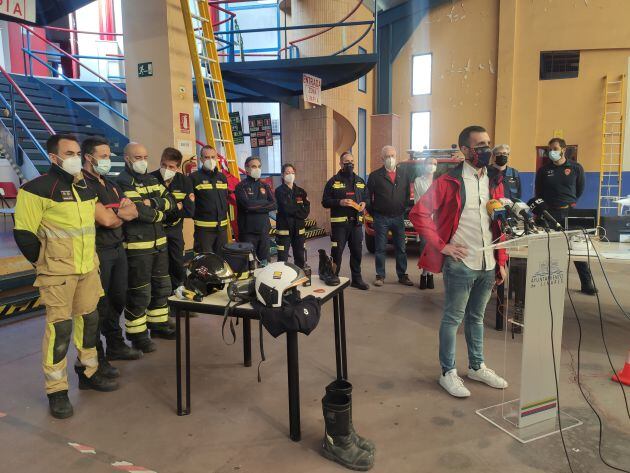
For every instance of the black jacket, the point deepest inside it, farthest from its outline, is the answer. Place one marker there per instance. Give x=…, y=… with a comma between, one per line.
x=181, y=190
x=340, y=187
x=386, y=197
x=145, y=234
x=211, y=194
x=560, y=186
x=254, y=200
x=511, y=181
x=293, y=207
x=109, y=194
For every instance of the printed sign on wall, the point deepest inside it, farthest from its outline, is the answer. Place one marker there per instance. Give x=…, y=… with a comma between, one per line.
x=237, y=128
x=145, y=69
x=312, y=89
x=24, y=10
x=184, y=123
x=260, y=131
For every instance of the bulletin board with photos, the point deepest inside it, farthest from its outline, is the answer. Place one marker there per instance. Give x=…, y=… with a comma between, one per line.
x=260, y=131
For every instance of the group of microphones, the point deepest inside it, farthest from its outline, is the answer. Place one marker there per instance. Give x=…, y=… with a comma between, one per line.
x=533, y=215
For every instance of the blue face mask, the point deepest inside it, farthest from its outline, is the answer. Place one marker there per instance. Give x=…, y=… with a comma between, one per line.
x=103, y=166
x=555, y=155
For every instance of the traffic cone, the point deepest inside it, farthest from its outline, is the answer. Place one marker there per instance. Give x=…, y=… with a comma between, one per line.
x=623, y=376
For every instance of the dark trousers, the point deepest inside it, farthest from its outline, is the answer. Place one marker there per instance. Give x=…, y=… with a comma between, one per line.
x=352, y=235
x=111, y=305
x=260, y=242
x=586, y=278
x=175, y=239
x=209, y=240
x=148, y=291
x=294, y=238
x=383, y=225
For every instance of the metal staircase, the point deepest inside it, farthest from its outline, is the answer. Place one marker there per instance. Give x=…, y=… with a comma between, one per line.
x=208, y=79
x=611, y=162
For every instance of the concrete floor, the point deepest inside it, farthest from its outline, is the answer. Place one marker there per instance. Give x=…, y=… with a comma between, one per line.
x=238, y=424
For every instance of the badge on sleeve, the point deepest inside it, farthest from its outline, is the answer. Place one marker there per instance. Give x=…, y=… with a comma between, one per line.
x=263, y=191
x=567, y=171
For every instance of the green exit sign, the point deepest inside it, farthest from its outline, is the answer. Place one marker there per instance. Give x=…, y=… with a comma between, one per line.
x=145, y=69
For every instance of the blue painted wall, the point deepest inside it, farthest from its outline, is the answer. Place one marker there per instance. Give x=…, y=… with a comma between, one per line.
x=591, y=191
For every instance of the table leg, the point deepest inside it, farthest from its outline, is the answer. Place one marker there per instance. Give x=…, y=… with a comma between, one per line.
x=294, y=386
x=342, y=330
x=335, y=304
x=178, y=360
x=188, y=408
x=247, y=341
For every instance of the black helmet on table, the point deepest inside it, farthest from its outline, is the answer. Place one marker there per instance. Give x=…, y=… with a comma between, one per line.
x=207, y=273
x=277, y=281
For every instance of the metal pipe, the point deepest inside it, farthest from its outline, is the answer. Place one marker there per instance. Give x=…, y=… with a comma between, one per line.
x=301, y=27
x=79, y=56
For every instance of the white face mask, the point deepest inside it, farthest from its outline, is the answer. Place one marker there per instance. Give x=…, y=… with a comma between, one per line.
x=140, y=166
x=390, y=164
x=289, y=178
x=102, y=166
x=167, y=174
x=210, y=164
x=72, y=165
x=555, y=155
x=255, y=173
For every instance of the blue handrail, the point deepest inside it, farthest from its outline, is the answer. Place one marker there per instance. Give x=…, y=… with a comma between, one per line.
x=24, y=127
x=74, y=83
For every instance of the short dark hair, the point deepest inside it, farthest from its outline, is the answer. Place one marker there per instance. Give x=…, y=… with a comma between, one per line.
x=344, y=154
x=560, y=141
x=173, y=155
x=52, y=143
x=204, y=147
x=464, y=136
x=89, y=145
x=251, y=158
x=287, y=165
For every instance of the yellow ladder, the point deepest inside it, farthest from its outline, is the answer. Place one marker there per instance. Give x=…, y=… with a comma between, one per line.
x=611, y=162
x=207, y=70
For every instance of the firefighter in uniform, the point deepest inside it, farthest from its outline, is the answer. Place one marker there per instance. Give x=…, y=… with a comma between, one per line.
x=254, y=201
x=293, y=209
x=115, y=210
x=171, y=177
x=149, y=284
x=345, y=195
x=211, y=204
x=54, y=229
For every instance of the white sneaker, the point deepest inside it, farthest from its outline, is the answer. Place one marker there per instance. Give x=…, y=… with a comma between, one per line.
x=487, y=376
x=453, y=384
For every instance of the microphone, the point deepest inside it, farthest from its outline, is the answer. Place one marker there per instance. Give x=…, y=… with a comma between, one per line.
x=539, y=208
x=498, y=213
x=521, y=211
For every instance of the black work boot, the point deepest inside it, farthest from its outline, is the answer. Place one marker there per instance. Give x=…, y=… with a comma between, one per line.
x=344, y=387
x=119, y=350
x=338, y=444
x=97, y=382
x=59, y=404
x=359, y=283
x=586, y=278
x=430, y=284
x=142, y=342
x=162, y=330
x=423, y=281
x=104, y=367
x=326, y=272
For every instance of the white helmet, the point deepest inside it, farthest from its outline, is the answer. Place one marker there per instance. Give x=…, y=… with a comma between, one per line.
x=276, y=280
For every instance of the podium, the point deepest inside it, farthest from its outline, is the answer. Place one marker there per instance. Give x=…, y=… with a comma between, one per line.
x=535, y=414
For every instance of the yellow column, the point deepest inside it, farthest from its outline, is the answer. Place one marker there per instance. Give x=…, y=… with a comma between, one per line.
x=154, y=33
x=505, y=71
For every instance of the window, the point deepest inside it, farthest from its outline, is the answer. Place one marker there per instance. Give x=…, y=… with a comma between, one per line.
x=559, y=64
x=420, y=130
x=362, y=82
x=421, y=75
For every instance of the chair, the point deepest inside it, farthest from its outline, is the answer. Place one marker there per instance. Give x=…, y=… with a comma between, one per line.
x=8, y=192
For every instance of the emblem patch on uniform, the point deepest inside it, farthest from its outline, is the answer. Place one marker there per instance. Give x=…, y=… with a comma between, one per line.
x=567, y=171
x=277, y=275
x=66, y=195
x=191, y=196
x=262, y=190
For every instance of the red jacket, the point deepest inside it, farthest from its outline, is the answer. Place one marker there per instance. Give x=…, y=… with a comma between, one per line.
x=436, y=217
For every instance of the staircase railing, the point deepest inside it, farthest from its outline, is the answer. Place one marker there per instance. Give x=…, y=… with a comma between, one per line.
x=17, y=122
x=33, y=55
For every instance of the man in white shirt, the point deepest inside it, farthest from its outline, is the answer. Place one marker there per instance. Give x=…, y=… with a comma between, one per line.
x=452, y=217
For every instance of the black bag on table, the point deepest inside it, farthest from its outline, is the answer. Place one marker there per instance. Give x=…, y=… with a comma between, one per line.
x=301, y=316
x=241, y=256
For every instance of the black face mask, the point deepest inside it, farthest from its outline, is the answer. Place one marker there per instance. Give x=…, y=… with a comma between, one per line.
x=501, y=159
x=347, y=169
x=480, y=157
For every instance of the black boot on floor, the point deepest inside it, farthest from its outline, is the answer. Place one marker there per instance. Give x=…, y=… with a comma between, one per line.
x=344, y=387
x=97, y=381
x=104, y=367
x=119, y=350
x=142, y=342
x=163, y=330
x=586, y=278
x=59, y=404
x=359, y=283
x=430, y=284
x=338, y=444
x=423, y=282
x=326, y=272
